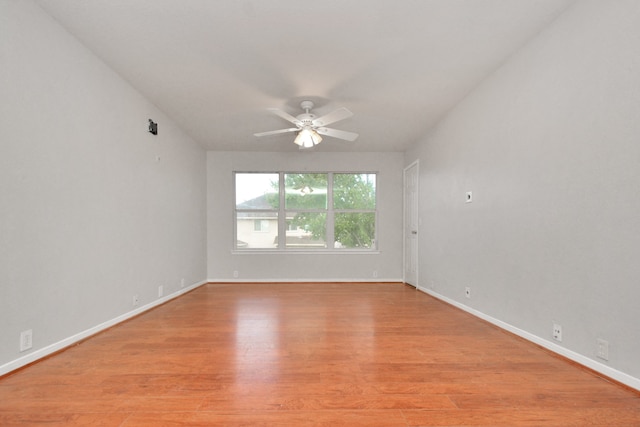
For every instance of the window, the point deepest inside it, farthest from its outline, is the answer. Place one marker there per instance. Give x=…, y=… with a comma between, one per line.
x=354, y=204
x=306, y=205
x=305, y=211
x=257, y=204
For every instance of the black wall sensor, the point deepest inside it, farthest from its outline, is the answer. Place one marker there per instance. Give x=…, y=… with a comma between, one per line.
x=153, y=127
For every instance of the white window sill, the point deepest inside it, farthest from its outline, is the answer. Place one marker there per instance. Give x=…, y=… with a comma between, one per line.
x=307, y=252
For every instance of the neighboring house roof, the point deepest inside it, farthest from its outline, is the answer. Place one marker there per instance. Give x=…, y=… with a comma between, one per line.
x=259, y=202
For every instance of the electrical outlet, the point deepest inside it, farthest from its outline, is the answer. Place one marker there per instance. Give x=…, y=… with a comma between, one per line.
x=182, y=283
x=557, y=332
x=136, y=300
x=375, y=273
x=235, y=273
x=26, y=340
x=603, y=349
x=160, y=290
x=467, y=292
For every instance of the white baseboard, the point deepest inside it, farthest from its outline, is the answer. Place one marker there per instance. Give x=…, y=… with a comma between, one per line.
x=325, y=280
x=605, y=370
x=52, y=348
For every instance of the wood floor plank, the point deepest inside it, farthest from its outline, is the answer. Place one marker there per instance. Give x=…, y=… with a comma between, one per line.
x=62, y=420
x=369, y=418
x=310, y=355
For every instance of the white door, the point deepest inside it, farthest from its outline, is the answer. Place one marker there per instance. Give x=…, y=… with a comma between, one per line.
x=411, y=224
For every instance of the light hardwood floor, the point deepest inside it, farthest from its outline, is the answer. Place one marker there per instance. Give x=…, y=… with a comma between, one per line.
x=310, y=355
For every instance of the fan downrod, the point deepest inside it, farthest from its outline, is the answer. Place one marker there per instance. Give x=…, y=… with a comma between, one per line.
x=306, y=106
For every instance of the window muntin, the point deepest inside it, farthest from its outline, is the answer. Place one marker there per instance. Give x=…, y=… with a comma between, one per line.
x=313, y=211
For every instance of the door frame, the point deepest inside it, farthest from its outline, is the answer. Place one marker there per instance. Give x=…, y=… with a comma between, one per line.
x=406, y=249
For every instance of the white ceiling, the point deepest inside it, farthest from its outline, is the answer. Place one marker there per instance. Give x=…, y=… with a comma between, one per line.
x=214, y=66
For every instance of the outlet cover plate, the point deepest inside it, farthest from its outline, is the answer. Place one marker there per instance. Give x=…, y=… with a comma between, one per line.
x=26, y=340
x=603, y=349
x=557, y=332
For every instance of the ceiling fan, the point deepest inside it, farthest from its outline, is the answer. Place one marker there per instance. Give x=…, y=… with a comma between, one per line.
x=310, y=127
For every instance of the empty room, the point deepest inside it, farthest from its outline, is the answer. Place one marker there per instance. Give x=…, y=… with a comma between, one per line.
x=286, y=213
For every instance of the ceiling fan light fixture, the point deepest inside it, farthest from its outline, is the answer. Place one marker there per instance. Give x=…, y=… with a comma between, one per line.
x=309, y=127
x=307, y=138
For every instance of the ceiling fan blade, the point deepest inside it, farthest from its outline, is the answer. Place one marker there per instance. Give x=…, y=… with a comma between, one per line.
x=275, y=132
x=288, y=117
x=342, y=134
x=334, y=116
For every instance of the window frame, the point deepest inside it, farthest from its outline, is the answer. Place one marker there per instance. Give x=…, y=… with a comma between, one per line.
x=282, y=217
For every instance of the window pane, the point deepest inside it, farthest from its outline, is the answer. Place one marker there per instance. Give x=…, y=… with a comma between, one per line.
x=305, y=191
x=355, y=230
x=257, y=191
x=354, y=191
x=306, y=230
x=257, y=230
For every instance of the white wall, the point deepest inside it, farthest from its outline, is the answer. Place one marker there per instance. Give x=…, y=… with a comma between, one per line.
x=292, y=267
x=88, y=215
x=550, y=147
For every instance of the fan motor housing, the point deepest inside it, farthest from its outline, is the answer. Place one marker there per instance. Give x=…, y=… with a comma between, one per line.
x=306, y=118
